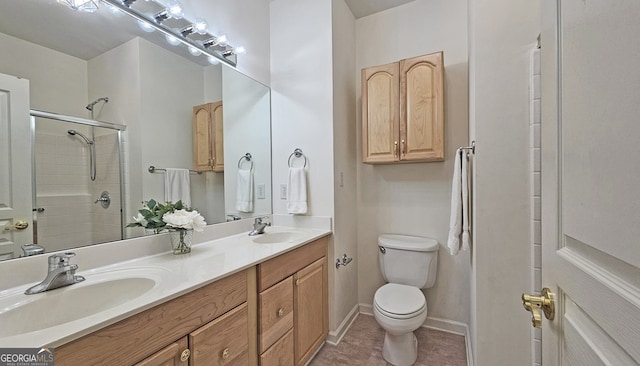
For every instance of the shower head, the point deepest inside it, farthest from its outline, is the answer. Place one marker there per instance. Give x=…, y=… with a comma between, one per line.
x=92, y=104
x=74, y=133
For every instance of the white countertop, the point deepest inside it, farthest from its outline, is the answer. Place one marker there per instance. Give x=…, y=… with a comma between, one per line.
x=174, y=275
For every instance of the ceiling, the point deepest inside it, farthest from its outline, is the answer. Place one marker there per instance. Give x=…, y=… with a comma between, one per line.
x=362, y=8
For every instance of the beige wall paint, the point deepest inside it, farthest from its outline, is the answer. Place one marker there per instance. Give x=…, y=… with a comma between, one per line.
x=414, y=199
x=502, y=35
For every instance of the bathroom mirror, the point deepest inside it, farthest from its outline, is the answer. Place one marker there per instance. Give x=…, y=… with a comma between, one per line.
x=103, y=65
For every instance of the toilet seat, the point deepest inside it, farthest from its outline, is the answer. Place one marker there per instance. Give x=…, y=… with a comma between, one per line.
x=399, y=301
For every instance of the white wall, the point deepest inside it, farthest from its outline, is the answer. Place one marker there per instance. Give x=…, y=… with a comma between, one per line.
x=345, y=279
x=45, y=67
x=414, y=199
x=503, y=32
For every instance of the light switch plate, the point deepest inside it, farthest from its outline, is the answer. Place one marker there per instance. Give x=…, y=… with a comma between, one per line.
x=283, y=191
x=261, y=189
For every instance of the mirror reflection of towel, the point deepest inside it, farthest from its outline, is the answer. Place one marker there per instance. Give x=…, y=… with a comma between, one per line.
x=177, y=186
x=244, y=196
x=297, y=191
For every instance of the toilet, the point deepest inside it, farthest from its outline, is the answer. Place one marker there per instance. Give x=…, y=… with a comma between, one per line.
x=408, y=264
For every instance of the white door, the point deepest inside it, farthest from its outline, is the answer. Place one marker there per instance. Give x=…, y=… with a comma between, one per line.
x=591, y=181
x=15, y=166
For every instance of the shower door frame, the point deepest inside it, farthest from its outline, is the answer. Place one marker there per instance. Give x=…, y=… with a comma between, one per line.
x=34, y=113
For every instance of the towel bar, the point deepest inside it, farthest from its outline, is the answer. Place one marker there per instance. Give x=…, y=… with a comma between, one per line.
x=153, y=169
x=298, y=154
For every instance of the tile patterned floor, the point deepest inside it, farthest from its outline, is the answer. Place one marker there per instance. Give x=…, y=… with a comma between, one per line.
x=362, y=346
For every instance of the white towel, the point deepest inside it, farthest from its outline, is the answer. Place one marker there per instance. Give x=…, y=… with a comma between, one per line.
x=455, y=221
x=244, y=191
x=297, y=191
x=177, y=186
x=464, y=177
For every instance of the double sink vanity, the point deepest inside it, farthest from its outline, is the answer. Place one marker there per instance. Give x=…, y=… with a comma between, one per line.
x=239, y=299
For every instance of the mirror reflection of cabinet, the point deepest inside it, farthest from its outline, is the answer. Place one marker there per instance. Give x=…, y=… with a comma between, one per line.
x=208, y=146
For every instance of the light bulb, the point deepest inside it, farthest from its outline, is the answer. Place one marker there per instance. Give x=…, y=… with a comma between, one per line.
x=200, y=25
x=174, y=7
x=212, y=60
x=222, y=40
x=145, y=26
x=172, y=40
x=239, y=50
x=194, y=51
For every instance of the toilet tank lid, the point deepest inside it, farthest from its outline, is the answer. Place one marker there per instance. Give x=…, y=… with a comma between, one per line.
x=406, y=242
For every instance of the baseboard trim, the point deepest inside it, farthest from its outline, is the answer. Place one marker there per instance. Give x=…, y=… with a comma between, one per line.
x=334, y=337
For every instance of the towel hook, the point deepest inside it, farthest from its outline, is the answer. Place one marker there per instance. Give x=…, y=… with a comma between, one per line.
x=298, y=154
x=246, y=157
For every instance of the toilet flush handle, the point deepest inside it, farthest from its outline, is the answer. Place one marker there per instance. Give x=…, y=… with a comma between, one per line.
x=383, y=250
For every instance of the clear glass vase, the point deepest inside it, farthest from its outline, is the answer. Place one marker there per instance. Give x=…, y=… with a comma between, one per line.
x=181, y=241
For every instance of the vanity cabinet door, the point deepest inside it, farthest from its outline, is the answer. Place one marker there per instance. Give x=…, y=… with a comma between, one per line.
x=224, y=341
x=176, y=354
x=310, y=320
x=208, y=145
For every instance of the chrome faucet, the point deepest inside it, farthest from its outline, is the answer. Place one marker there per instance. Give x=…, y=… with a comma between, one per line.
x=258, y=226
x=61, y=273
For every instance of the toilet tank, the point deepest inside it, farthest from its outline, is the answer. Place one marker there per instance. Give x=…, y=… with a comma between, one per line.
x=408, y=260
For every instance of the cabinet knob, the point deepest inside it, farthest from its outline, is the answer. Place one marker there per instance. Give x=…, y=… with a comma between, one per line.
x=280, y=312
x=185, y=355
x=298, y=282
x=225, y=353
x=403, y=150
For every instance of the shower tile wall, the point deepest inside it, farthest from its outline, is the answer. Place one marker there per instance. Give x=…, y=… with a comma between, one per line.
x=66, y=192
x=536, y=217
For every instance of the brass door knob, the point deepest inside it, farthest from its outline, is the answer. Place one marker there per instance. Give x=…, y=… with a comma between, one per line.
x=280, y=312
x=185, y=355
x=19, y=225
x=225, y=353
x=533, y=304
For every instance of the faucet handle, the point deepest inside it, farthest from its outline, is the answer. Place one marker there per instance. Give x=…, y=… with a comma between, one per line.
x=60, y=260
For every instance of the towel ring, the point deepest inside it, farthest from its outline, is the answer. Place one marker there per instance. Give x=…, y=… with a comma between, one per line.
x=298, y=154
x=246, y=157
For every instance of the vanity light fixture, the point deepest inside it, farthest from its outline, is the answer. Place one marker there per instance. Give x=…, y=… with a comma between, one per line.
x=214, y=47
x=88, y=6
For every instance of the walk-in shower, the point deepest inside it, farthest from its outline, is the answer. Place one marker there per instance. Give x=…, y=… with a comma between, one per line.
x=92, y=152
x=68, y=207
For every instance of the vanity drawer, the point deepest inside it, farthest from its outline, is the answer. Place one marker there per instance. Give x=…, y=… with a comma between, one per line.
x=223, y=341
x=276, y=312
x=281, y=353
x=276, y=269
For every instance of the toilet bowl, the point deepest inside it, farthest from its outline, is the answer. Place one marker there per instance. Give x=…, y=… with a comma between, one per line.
x=408, y=264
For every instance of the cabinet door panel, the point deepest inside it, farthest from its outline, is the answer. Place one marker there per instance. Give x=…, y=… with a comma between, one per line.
x=276, y=312
x=310, y=323
x=202, y=137
x=217, y=148
x=281, y=353
x=380, y=113
x=422, y=108
x=223, y=341
x=171, y=355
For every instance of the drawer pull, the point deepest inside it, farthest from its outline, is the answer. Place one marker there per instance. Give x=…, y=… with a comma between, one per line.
x=280, y=312
x=225, y=353
x=185, y=355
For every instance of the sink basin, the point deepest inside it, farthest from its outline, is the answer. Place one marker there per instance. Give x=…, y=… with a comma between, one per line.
x=277, y=237
x=20, y=314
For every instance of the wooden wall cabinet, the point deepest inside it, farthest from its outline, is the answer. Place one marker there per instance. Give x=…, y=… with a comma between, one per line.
x=293, y=316
x=208, y=144
x=403, y=111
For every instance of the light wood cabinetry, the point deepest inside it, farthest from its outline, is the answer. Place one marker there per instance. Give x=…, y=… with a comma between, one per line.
x=296, y=280
x=403, y=111
x=208, y=144
x=175, y=354
x=229, y=302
